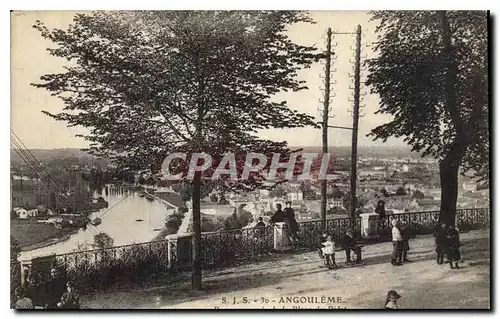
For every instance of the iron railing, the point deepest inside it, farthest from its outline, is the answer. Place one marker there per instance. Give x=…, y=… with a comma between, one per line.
x=420, y=223
x=224, y=247
x=310, y=231
x=101, y=268
x=97, y=269
x=15, y=280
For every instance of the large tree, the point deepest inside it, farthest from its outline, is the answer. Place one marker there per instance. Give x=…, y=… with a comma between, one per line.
x=148, y=84
x=431, y=74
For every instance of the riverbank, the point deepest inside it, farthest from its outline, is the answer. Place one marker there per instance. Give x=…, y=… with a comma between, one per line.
x=32, y=235
x=128, y=219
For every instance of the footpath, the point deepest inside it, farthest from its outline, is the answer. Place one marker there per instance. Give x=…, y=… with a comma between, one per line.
x=299, y=281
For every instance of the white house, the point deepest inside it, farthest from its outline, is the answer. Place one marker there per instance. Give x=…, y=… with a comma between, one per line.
x=24, y=214
x=469, y=186
x=293, y=196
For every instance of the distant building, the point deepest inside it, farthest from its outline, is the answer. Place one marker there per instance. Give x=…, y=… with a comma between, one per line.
x=469, y=186
x=24, y=214
x=295, y=196
x=372, y=174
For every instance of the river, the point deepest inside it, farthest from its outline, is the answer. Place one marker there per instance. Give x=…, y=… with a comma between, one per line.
x=128, y=219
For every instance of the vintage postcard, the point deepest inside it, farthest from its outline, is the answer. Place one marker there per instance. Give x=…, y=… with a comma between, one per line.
x=323, y=160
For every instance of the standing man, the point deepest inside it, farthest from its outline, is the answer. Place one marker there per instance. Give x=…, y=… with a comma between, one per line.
x=289, y=214
x=406, y=234
x=278, y=216
x=441, y=244
x=349, y=243
x=56, y=286
x=397, y=243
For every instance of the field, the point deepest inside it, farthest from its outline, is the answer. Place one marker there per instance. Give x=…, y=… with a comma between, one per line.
x=28, y=232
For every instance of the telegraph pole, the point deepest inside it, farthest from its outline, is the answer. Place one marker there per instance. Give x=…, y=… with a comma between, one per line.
x=326, y=106
x=355, y=121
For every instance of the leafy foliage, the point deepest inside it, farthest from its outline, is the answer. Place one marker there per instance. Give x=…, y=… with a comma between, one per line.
x=431, y=74
x=410, y=74
x=152, y=83
x=102, y=241
x=15, y=249
x=401, y=191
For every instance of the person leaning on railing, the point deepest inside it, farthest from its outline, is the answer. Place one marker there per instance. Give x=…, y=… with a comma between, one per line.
x=350, y=243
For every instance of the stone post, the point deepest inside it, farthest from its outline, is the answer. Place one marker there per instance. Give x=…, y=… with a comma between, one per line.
x=282, y=240
x=179, y=249
x=369, y=225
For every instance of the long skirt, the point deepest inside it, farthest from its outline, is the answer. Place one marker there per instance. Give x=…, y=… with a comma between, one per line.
x=453, y=253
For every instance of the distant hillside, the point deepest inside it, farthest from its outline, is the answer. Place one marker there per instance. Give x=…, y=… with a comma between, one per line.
x=365, y=151
x=49, y=155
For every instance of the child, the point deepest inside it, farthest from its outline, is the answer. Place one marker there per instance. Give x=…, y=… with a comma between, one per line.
x=322, y=238
x=69, y=299
x=391, y=301
x=329, y=253
x=453, y=246
x=22, y=302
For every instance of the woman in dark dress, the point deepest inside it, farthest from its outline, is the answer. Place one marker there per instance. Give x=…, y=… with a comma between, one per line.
x=441, y=245
x=453, y=246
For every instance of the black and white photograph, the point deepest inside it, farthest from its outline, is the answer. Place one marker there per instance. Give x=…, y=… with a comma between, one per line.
x=250, y=159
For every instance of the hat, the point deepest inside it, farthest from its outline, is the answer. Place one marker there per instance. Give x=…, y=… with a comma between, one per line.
x=288, y=202
x=391, y=293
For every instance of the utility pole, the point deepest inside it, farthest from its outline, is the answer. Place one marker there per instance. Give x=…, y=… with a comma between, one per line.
x=354, y=156
x=326, y=106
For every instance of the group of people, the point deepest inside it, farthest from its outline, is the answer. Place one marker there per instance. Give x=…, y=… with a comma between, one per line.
x=401, y=243
x=448, y=243
x=287, y=216
x=56, y=293
x=327, y=246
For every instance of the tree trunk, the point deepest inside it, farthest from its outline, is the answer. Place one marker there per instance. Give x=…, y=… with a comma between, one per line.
x=196, y=277
x=448, y=172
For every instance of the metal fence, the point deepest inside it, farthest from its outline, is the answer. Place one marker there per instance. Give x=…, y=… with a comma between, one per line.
x=99, y=269
x=426, y=222
x=223, y=248
x=310, y=231
x=15, y=280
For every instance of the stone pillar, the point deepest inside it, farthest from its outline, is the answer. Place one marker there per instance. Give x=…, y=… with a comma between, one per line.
x=179, y=249
x=369, y=225
x=282, y=240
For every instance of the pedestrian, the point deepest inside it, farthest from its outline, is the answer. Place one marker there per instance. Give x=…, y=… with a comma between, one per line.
x=36, y=290
x=55, y=288
x=22, y=301
x=70, y=298
x=323, y=235
x=380, y=209
x=260, y=223
x=260, y=233
x=329, y=253
x=391, y=302
x=278, y=216
x=397, y=243
x=406, y=234
x=453, y=246
x=289, y=219
x=350, y=243
x=441, y=245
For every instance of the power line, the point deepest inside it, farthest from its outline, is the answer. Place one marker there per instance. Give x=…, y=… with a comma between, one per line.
x=30, y=164
x=33, y=158
x=34, y=164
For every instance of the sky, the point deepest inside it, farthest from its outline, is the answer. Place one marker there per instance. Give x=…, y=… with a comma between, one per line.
x=30, y=60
